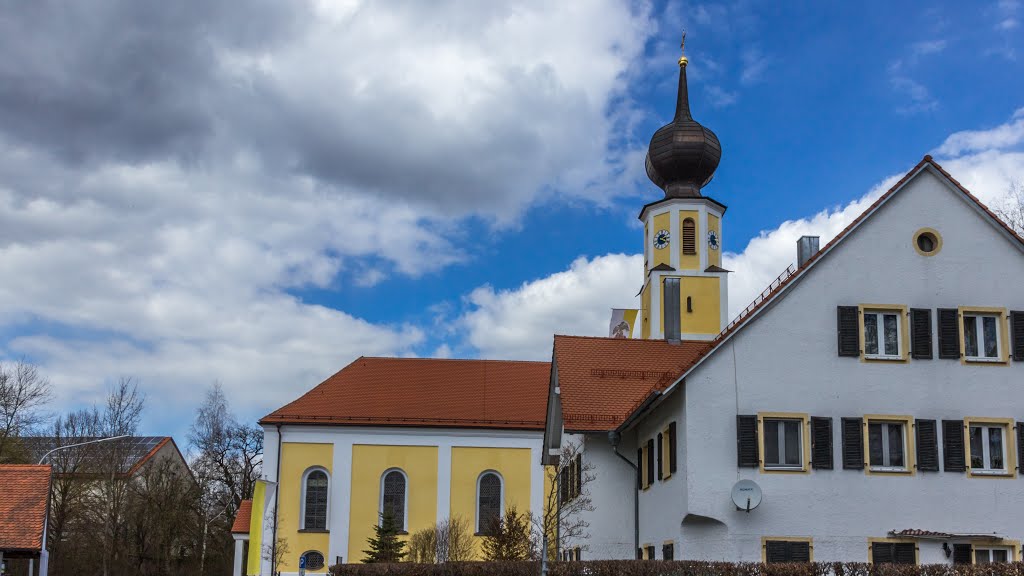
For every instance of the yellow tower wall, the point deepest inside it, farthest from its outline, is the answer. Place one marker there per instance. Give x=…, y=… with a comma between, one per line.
x=296, y=458
x=645, y=312
x=368, y=466
x=714, y=256
x=512, y=464
x=706, y=296
x=663, y=256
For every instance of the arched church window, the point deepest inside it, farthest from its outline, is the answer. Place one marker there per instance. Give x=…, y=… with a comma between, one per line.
x=315, y=500
x=689, y=236
x=488, y=502
x=393, y=497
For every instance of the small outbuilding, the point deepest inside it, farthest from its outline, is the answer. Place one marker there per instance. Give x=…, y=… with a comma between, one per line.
x=24, y=503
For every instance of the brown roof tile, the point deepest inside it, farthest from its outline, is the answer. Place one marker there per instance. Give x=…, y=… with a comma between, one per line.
x=242, y=518
x=602, y=379
x=426, y=392
x=23, y=505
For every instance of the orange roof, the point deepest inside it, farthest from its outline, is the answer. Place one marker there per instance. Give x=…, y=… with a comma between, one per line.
x=426, y=392
x=23, y=506
x=242, y=518
x=602, y=379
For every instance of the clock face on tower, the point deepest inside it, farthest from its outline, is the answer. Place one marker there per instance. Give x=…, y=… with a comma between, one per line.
x=661, y=238
x=712, y=240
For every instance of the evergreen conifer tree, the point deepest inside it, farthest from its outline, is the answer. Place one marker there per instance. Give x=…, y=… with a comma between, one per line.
x=385, y=546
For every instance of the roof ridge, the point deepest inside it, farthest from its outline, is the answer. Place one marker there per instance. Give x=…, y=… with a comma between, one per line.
x=629, y=339
x=505, y=360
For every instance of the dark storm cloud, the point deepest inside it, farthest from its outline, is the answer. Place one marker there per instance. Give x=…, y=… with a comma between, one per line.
x=123, y=80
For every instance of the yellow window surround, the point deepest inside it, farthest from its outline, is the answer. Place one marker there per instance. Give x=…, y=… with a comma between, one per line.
x=766, y=539
x=1013, y=545
x=1004, y=334
x=917, y=549
x=904, y=327
x=1009, y=446
x=909, y=464
x=805, y=444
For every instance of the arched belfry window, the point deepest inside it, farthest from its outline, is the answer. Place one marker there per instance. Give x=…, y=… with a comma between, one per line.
x=393, y=496
x=314, y=499
x=689, y=236
x=488, y=502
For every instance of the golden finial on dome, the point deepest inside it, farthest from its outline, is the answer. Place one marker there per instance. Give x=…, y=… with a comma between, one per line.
x=683, y=61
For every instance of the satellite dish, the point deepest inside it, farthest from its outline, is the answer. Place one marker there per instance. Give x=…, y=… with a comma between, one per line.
x=746, y=495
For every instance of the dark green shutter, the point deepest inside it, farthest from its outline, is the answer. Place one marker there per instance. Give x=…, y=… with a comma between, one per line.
x=882, y=553
x=650, y=461
x=661, y=450
x=799, y=552
x=746, y=442
x=577, y=475
x=563, y=484
x=776, y=551
x=672, y=448
x=853, y=444
x=639, y=468
x=921, y=333
x=927, y=440
x=962, y=554
x=1020, y=447
x=949, y=333
x=848, y=329
x=954, y=455
x=905, y=553
x=821, y=443
x=1017, y=328
x=650, y=552
x=668, y=551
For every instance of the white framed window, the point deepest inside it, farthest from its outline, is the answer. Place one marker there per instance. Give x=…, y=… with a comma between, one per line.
x=994, y=555
x=883, y=334
x=394, y=497
x=314, y=560
x=315, y=490
x=887, y=446
x=982, y=337
x=988, y=448
x=490, y=494
x=783, y=444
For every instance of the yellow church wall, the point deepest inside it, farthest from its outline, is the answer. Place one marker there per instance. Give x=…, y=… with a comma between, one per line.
x=512, y=464
x=714, y=256
x=663, y=256
x=368, y=466
x=689, y=261
x=706, y=296
x=296, y=458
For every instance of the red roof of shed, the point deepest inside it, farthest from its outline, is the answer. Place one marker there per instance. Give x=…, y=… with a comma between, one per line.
x=242, y=518
x=23, y=506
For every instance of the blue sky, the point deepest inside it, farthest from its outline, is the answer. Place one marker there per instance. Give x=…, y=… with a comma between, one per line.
x=193, y=199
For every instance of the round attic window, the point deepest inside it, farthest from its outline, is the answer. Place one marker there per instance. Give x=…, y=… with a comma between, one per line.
x=927, y=242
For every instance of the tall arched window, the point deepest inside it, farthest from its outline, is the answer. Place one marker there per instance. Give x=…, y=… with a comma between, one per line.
x=689, y=236
x=393, y=496
x=488, y=502
x=314, y=500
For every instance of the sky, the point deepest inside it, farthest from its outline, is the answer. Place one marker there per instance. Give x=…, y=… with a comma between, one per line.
x=190, y=193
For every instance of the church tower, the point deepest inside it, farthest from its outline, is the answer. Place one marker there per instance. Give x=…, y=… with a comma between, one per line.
x=685, y=293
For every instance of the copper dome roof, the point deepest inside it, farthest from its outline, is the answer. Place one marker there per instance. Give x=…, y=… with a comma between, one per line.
x=683, y=154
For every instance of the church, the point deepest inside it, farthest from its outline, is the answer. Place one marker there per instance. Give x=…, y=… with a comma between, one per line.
x=866, y=407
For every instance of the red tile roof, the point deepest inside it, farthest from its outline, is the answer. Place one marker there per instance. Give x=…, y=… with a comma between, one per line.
x=242, y=518
x=787, y=278
x=24, y=501
x=602, y=379
x=426, y=392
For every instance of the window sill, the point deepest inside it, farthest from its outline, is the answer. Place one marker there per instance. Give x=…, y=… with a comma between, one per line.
x=884, y=359
x=888, y=470
x=313, y=531
x=784, y=469
x=980, y=360
x=991, y=473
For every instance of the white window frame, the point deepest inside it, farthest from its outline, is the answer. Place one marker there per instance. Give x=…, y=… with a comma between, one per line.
x=980, y=336
x=405, y=499
x=302, y=501
x=988, y=551
x=885, y=446
x=986, y=457
x=782, y=443
x=501, y=507
x=880, y=333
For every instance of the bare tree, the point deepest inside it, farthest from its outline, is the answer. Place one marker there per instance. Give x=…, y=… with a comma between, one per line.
x=566, y=501
x=68, y=487
x=1011, y=208
x=23, y=393
x=453, y=540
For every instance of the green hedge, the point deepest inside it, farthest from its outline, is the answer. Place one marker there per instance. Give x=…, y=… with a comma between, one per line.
x=662, y=568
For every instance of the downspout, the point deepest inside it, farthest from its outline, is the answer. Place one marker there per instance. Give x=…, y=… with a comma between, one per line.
x=614, y=437
x=277, y=498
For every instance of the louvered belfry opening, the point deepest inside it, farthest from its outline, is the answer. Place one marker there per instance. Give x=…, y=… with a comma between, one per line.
x=689, y=237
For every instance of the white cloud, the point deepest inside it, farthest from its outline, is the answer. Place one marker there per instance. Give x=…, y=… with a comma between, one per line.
x=754, y=65
x=719, y=97
x=1002, y=136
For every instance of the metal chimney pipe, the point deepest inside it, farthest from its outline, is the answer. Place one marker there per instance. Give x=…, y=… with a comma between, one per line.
x=806, y=247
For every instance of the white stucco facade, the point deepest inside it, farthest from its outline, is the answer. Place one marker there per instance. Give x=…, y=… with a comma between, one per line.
x=784, y=360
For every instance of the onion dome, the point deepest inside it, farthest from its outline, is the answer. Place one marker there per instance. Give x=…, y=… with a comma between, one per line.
x=683, y=154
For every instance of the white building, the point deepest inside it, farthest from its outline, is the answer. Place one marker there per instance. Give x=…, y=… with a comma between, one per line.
x=874, y=394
